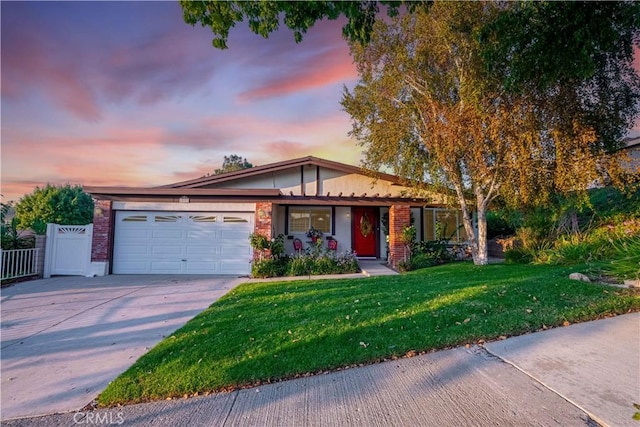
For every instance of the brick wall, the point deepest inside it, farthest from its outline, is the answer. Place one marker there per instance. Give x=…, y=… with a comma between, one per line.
x=101, y=245
x=264, y=222
x=399, y=217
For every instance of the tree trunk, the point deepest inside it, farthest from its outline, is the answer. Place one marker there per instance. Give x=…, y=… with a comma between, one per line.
x=467, y=221
x=481, y=257
x=479, y=250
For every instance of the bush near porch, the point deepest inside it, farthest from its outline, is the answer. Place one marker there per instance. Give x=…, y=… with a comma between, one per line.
x=430, y=252
x=316, y=261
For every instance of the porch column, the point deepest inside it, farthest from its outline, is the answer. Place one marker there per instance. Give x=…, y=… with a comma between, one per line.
x=263, y=223
x=102, y=240
x=399, y=217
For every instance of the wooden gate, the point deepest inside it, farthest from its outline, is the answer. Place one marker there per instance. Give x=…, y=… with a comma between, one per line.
x=68, y=250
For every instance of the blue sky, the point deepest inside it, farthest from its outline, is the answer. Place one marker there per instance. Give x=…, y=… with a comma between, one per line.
x=126, y=93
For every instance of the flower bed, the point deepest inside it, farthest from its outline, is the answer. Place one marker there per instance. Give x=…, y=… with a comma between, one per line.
x=307, y=264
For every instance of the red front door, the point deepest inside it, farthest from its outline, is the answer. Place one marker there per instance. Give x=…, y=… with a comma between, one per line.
x=365, y=231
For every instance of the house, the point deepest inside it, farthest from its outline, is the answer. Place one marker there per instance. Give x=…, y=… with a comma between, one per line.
x=632, y=149
x=201, y=226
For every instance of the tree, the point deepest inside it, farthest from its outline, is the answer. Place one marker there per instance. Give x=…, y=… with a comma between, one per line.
x=233, y=163
x=66, y=205
x=536, y=46
x=10, y=237
x=513, y=98
x=265, y=17
x=5, y=208
x=428, y=106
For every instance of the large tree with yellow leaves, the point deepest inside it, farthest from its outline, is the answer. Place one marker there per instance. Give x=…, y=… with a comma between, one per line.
x=428, y=106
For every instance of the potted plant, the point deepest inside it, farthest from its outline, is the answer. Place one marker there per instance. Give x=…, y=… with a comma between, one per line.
x=314, y=234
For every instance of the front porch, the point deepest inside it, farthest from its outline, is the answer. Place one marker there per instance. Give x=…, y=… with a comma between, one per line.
x=372, y=232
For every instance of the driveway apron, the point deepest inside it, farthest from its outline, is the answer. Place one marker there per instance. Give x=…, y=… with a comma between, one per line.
x=64, y=339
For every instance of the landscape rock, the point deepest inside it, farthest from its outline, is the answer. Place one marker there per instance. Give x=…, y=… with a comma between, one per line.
x=632, y=283
x=579, y=276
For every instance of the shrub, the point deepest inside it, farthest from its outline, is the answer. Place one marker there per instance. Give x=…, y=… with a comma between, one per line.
x=314, y=263
x=277, y=245
x=435, y=249
x=518, y=256
x=269, y=267
x=625, y=262
x=347, y=262
x=418, y=261
x=258, y=241
x=300, y=266
x=11, y=238
x=66, y=205
x=498, y=224
x=429, y=253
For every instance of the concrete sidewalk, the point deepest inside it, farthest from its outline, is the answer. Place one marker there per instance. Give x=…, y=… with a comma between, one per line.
x=457, y=387
x=593, y=364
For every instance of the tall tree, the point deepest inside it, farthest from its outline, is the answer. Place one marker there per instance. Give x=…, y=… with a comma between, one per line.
x=233, y=163
x=511, y=98
x=265, y=17
x=64, y=204
x=428, y=106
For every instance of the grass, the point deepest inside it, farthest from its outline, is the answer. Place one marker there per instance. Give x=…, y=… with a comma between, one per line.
x=264, y=332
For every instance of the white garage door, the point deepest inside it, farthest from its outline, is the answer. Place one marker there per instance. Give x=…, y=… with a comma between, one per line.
x=182, y=242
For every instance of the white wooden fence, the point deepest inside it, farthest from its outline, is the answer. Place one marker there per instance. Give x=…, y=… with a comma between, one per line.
x=17, y=263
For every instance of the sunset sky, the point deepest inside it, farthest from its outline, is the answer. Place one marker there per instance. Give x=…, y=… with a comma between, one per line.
x=126, y=93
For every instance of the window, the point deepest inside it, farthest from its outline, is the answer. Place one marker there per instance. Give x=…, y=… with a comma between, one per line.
x=135, y=218
x=444, y=224
x=166, y=218
x=302, y=219
x=203, y=218
x=234, y=219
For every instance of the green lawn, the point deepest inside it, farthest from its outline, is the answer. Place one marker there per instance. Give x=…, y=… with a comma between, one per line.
x=263, y=332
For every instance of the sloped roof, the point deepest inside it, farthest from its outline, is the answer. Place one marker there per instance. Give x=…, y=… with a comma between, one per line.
x=631, y=142
x=278, y=166
x=197, y=191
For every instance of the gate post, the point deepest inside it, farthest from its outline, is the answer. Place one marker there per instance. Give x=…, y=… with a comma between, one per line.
x=48, y=251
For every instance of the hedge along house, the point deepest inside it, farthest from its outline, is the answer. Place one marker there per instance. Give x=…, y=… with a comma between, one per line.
x=202, y=226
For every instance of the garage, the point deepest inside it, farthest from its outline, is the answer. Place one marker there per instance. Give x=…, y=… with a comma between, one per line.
x=161, y=242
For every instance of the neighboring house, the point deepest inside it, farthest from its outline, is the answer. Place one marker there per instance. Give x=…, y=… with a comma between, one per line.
x=632, y=148
x=202, y=226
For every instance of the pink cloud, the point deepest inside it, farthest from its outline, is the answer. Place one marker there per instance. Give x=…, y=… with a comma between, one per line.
x=108, y=160
x=78, y=70
x=29, y=66
x=319, y=70
x=286, y=67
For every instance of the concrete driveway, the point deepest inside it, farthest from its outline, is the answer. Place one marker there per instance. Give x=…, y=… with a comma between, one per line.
x=64, y=339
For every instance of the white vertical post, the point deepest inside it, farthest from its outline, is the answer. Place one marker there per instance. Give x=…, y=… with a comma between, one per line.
x=49, y=253
x=88, y=242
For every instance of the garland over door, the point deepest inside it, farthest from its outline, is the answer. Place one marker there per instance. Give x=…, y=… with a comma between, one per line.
x=158, y=242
